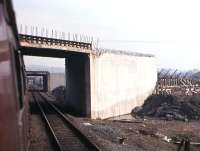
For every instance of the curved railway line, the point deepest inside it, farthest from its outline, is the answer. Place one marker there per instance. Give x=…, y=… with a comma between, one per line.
x=64, y=135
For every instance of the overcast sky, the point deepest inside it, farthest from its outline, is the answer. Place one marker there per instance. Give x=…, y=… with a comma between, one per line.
x=169, y=29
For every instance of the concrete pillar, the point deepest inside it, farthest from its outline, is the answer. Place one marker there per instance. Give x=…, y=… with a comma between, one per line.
x=77, y=68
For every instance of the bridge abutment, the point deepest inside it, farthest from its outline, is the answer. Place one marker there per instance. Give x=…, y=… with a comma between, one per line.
x=78, y=84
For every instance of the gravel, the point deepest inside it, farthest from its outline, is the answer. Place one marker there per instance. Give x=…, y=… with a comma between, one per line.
x=39, y=140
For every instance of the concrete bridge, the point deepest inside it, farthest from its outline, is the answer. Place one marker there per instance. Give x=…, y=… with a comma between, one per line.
x=99, y=83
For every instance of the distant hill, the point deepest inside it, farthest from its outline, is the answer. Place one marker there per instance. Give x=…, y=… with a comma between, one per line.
x=45, y=68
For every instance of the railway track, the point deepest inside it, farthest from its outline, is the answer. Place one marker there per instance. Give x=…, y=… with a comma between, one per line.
x=64, y=135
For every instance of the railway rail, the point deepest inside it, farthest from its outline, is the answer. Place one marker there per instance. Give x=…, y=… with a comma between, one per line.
x=64, y=135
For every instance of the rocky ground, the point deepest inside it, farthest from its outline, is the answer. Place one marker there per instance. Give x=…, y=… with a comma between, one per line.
x=125, y=135
x=141, y=134
x=160, y=124
x=153, y=127
x=39, y=140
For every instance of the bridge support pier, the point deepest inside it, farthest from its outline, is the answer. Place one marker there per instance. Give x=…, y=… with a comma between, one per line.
x=77, y=68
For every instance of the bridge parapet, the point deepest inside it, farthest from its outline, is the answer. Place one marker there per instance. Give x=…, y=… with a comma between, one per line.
x=44, y=42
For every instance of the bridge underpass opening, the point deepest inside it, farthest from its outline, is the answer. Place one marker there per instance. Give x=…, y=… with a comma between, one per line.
x=75, y=67
x=37, y=81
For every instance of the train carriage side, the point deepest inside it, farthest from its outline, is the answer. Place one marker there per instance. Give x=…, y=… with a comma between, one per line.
x=14, y=104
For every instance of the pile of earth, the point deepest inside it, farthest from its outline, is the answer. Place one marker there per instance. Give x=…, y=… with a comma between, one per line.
x=170, y=107
x=59, y=93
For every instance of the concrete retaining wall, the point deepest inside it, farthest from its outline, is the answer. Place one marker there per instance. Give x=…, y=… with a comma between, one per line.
x=120, y=82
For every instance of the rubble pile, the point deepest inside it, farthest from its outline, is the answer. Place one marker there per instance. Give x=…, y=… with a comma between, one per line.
x=170, y=107
x=59, y=93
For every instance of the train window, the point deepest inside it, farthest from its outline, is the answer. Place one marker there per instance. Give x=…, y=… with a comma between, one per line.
x=20, y=77
x=23, y=72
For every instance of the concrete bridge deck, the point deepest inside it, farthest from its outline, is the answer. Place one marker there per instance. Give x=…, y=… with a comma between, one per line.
x=52, y=43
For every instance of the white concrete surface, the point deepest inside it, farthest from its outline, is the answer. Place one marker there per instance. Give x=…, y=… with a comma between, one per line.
x=120, y=82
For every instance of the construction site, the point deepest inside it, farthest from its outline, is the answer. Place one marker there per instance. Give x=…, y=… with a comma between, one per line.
x=167, y=120
x=63, y=91
x=160, y=112
x=140, y=108
x=178, y=82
